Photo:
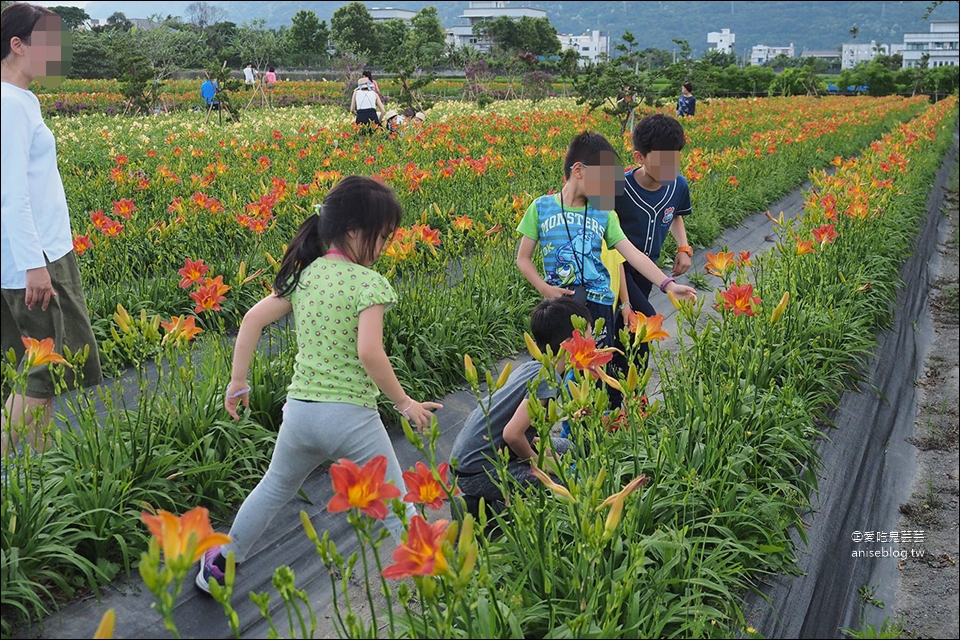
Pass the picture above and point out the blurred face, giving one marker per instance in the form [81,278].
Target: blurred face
[603,182]
[48,55]
[662,166]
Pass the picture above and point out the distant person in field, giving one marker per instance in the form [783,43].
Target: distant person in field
[42,295]
[366,105]
[270,78]
[208,91]
[249,76]
[391,121]
[373,83]
[686,103]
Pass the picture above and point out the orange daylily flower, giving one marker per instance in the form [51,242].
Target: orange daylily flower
[647,329]
[719,263]
[825,234]
[181,329]
[422,552]
[112,228]
[40,352]
[362,488]
[859,209]
[804,246]
[744,259]
[399,249]
[81,244]
[585,356]
[99,219]
[218,283]
[124,207]
[423,486]
[192,272]
[462,223]
[207,298]
[173,533]
[740,299]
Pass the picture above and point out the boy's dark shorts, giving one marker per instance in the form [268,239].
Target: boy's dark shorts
[66,320]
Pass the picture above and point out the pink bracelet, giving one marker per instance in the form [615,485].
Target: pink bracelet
[665,283]
[404,411]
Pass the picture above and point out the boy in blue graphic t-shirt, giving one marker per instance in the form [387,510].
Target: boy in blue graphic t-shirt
[570,228]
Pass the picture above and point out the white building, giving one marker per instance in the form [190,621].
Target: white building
[941,43]
[590,46]
[761,53]
[389,13]
[479,12]
[722,40]
[853,54]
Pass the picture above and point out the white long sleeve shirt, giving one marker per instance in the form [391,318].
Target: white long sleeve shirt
[35,218]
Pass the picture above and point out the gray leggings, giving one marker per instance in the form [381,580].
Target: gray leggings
[313,433]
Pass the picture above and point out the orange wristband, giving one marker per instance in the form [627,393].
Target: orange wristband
[685,249]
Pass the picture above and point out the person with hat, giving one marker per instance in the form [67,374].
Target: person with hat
[419,118]
[366,105]
[391,121]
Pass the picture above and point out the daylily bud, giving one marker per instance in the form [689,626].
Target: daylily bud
[123,319]
[470,371]
[775,316]
[673,300]
[532,347]
[308,527]
[615,502]
[107,622]
[558,489]
[633,378]
[502,379]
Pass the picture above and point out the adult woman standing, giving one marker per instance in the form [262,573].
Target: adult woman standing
[366,104]
[42,296]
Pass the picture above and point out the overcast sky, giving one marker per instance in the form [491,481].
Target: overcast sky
[61,3]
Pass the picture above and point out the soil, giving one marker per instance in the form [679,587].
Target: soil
[927,604]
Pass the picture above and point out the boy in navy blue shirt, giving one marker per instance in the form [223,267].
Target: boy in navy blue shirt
[654,201]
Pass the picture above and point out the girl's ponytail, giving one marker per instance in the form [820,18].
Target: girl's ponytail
[305,247]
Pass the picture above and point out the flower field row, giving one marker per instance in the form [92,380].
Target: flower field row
[151,196]
[103,97]
[713,516]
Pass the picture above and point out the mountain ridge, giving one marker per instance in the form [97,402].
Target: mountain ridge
[807,25]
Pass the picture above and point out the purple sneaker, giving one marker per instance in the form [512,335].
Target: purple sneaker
[209,570]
